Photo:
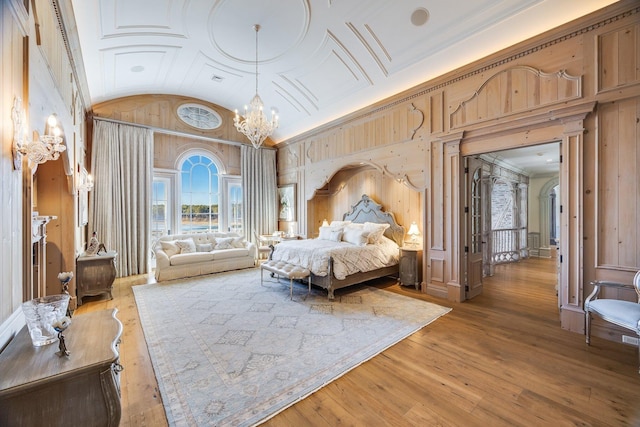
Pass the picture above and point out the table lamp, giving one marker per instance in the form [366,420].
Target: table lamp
[414,233]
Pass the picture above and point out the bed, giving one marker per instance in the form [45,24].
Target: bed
[337,263]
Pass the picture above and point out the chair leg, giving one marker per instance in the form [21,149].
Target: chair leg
[588,326]
[639,353]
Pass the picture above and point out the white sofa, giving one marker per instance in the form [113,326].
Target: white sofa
[187,255]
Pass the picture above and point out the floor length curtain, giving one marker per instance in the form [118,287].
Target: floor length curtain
[260,192]
[122,166]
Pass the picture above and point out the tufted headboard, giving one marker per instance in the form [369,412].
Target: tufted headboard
[366,210]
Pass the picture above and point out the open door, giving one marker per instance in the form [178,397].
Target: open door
[475,239]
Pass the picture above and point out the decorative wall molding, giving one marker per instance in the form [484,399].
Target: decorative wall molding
[514,90]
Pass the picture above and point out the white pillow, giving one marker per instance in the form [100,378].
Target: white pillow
[375,231]
[169,247]
[224,243]
[238,242]
[355,236]
[336,235]
[186,246]
[324,233]
[204,247]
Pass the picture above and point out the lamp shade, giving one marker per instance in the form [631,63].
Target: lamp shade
[325,223]
[413,229]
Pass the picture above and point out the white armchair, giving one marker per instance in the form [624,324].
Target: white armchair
[622,313]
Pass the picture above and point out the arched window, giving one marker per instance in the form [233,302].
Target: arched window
[199,194]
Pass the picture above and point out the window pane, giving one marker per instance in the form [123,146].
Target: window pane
[235,208]
[199,196]
[160,219]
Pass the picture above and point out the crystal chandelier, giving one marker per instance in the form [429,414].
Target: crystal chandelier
[255,125]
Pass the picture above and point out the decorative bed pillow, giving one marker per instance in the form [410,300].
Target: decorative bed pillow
[187,246]
[169,247]
[324,233]
[224,243]
[355,235]
[204,247]
[336,235]
[375,231]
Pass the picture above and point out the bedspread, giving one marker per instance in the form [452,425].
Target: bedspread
[348,259]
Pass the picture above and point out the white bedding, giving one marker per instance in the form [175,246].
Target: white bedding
[347,258]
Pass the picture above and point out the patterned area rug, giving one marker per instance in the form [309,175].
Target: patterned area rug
[227,351]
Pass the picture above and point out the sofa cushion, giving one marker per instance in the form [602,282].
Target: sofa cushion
[191,258]
[230,253]
[187,246]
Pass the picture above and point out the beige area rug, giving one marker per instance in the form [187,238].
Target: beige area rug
[229,352]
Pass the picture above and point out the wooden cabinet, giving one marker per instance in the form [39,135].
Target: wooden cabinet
[96,275]
[40,388]
[410,267]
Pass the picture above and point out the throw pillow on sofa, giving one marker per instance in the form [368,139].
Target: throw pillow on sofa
[169,247]
[238,242]
[224,243]
[187,246]
[204,247]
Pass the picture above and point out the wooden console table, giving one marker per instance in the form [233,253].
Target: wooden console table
[40,388]
[96,274]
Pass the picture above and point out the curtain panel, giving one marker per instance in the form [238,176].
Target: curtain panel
[260,192]
[120,203]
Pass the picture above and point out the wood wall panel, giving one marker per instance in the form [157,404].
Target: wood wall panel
[619,57]
[618,234]
[13,20]
[513,90]
[159,111]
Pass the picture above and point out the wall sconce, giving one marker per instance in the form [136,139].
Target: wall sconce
[414,233]
[86,183]
[46,147]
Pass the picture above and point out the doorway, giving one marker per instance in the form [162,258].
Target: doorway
[511,208]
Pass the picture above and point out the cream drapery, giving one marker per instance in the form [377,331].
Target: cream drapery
[260,192]
[120,203]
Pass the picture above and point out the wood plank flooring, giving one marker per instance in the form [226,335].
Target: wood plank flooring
[500,359]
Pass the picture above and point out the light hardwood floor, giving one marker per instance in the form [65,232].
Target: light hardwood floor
[498,360]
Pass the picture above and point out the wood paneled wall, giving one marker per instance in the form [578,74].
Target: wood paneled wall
[578,84]
[37,66]
[159,113]
[13,29]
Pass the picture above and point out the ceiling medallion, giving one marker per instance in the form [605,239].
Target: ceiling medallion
[199,116]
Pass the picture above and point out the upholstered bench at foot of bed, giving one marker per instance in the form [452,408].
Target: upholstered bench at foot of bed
[284,269]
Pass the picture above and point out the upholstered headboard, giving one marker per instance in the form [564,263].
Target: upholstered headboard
[366,210]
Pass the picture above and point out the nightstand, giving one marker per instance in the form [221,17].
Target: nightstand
[96,274]
[410,266]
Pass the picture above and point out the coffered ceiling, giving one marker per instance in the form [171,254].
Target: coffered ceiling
[318,59]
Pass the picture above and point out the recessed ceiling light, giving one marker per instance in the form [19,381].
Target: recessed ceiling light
[419,17]
[137,69]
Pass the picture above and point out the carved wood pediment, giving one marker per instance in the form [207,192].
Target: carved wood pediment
[515,90]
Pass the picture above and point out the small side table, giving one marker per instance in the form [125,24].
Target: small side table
[96,274]
[410,266]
